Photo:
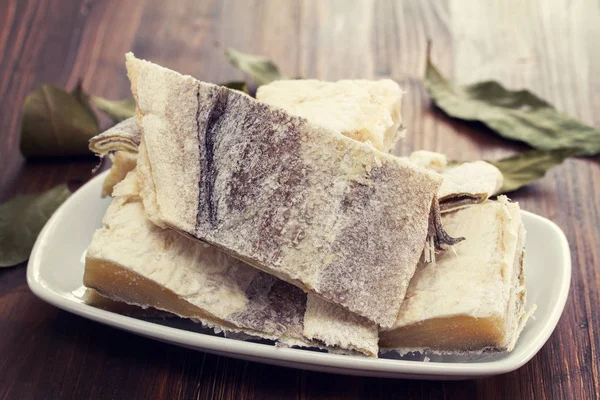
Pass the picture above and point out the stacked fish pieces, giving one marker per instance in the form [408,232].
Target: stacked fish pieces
[265,219]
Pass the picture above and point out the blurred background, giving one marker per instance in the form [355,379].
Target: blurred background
[549,47]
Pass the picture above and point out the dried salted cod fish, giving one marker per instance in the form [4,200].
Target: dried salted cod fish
[131,262]
[364,110]
[464,184]
[124,136]
[473,299]
[121,144]
[319,210]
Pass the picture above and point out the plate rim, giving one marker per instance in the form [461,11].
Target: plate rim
[233,347]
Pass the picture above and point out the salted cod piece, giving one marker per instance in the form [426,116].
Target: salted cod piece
[324,212]
[364,110]
[326,325]
[472,300]
[120,143]
[150,268]
[124,136]
[463,185]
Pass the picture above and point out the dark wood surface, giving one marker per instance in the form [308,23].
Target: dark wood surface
[548,46]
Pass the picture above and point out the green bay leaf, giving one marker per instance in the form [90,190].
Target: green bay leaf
[117,110]
[516,115]
[524,168]
[22,219]
[55,123]
[261,69]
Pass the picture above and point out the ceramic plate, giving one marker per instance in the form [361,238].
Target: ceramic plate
[55,274]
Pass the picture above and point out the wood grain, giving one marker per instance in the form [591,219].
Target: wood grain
[547,46]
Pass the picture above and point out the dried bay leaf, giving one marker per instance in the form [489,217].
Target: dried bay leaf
[22,219]
[84,99]
[261,69]
[236,85]
[516,115]
[56,123]
[526,167]
[117,110]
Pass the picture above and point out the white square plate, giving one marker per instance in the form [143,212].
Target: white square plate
[55,274]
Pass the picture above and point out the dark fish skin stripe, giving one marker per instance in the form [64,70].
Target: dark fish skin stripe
[459,201]
[207,147]
[436,230]
[273,306]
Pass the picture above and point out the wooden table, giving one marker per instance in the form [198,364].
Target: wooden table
[550,47]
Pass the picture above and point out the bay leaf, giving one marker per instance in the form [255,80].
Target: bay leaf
[55,123]
[117,110]
[516,115]
[21,220]
[524,168]
[84,99]
[236,85]
[261,69]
